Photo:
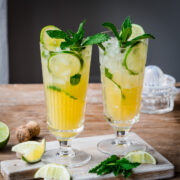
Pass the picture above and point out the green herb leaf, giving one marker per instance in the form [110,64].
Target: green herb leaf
[133,41]
[126,30]
[55,88]
[57,34]
[126,164]
[112,27]
[125,33]
[110,76]
[66,44]
[95,39]
[116,165]
[80,33]
[75,79]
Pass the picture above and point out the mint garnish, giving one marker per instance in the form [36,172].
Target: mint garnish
[110,76]
[123,36]
[115,165]
[76,43]
[125,33]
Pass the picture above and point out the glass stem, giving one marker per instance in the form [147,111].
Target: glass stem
[65,149]
[121,137]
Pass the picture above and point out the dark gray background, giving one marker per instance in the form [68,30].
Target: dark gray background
[26,18]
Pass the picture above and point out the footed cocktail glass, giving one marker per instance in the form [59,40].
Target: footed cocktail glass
[65,78]
[122,73]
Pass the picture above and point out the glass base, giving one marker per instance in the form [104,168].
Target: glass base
[75,159]
[120,148]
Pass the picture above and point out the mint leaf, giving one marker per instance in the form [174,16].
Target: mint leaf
[95,39]
[125,33]
[55,88]
[110,76]
[126,164]
[65,44]
[75,79]
[57,34]
[71,33]
[112,27]
[133,41]
[126,30]
[80,33]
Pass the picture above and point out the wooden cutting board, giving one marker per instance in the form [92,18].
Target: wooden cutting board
[19,170]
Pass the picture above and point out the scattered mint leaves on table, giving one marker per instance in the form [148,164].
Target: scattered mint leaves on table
[115,165]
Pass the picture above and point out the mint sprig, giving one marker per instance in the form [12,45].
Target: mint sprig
[125,33]
[115,165]
[76,41]
[109,75]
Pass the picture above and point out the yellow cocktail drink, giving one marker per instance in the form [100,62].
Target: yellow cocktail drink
[65,100]
[65,59]
[121,88]
[122,63]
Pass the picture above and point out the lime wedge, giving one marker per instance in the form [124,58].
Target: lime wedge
[135,58]
[50,44]
[140,157]
[137,30]
[53,171]
[31,151]
[4,134]
[64,64]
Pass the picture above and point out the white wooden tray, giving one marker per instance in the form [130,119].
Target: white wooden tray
[19,170]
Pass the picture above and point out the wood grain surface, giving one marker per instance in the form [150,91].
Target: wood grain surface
[22,103]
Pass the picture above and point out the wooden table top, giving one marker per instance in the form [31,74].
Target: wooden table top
[22,103]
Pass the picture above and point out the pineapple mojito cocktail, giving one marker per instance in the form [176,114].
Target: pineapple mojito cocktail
[122,64]
[65,59]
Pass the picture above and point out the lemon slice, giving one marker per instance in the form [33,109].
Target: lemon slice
[31,151]
[64,64]
[4,134]
[50,44]
[53,171]
[140,157]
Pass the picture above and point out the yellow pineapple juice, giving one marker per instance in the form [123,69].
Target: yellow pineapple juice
[121,88]
[65,101]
